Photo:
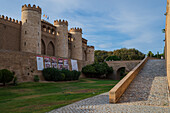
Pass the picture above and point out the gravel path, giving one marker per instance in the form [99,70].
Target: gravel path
[147,93]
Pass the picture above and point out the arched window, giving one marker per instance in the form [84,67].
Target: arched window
[42,47]
[50,49]
[44,28]
[53,31]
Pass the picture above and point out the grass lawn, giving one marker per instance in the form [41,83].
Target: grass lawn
[43,97]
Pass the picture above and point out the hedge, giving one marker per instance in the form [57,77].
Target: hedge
[53,74]
[97,70]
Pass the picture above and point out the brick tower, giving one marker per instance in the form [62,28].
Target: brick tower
[90,53]
[77,52]
[31,29]
[62,38]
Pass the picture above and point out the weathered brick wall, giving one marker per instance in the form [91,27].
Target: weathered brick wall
[10,35]
[25,65]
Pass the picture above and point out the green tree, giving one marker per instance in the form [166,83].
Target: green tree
[119,54]
[100,55]
[128,54]
[6,76]
[150,54]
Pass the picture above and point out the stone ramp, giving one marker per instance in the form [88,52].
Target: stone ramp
[147,93]
[150,87]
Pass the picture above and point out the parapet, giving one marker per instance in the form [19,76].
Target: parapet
[25,7]
[76,30]
[84,40]
[59,22]
[90,47]
[10,19]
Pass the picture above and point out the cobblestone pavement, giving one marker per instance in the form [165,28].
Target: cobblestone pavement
[148,93]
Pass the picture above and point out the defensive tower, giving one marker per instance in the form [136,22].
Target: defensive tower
[76,46]
[31,29]
[62,38]
[90,53]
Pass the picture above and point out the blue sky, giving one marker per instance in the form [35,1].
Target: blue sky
[106,24]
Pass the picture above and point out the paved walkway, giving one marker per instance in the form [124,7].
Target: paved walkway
[148,93]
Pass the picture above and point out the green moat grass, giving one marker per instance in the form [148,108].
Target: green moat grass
[34,97]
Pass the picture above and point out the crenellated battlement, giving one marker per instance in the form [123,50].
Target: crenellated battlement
[76,30]
[90,47]
[29,7]
[59,22]
[9,19]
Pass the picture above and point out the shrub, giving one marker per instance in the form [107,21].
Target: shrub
[76,75]
[71,75]
[110,70]
[53,74]
[6,76]
[68,74]
[15,81]
[61,77]
[36,78]
[56,75]
[100,69]
[47,73]
[96,70]
[89,70]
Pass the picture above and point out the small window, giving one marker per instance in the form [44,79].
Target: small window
[72,39]
[26,20]
[38,33]
[38,23]
[74,46]
[58,33]
[25,32]
[24,43]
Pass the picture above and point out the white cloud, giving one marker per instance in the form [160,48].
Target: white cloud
[105,45]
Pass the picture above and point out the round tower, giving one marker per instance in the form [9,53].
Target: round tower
[77,52]
[31,29]
[90,54]
[62,38]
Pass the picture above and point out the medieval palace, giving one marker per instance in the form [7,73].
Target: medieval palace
[34,35]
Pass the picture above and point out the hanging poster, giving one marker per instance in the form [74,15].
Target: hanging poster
[66,66]
[54,62]
[47,62]
[74,65]
[40,65]
[60,63]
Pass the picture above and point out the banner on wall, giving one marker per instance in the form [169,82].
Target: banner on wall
[66,66]
[40,65]
[47,62]
[74,65]
[60,63]
[54,62]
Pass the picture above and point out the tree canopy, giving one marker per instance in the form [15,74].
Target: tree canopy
[119,54]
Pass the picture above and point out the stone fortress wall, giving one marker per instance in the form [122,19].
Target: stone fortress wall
[34,36]
[24,64]
[38,36]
